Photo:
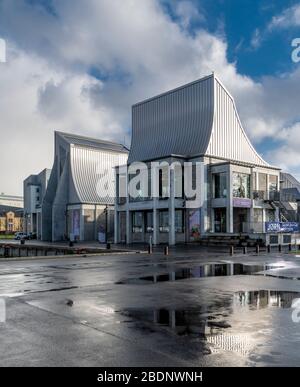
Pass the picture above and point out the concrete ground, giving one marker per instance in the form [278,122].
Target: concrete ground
[196,307]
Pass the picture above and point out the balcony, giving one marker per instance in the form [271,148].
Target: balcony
[273,196]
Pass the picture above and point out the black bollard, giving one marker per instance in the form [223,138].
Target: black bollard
[22,241]
[257,249]
[245,250]
[6,251]
[166,250]
[150,249]
[269,248]
[108,246]
[290,247]
[231,250]
[280,248]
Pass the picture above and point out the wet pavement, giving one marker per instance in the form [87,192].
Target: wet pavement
[192,308]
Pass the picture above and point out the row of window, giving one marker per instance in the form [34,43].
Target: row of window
[241,184]
[144,221]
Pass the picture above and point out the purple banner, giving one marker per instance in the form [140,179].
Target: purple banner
[242,203]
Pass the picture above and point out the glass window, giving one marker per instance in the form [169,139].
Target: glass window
[149,221]
[164,182]
[273,186]
[178,185]
[262,182]
[220,219]
[220,185]
[164,221]
[241,185]
[137,222]
[179,221]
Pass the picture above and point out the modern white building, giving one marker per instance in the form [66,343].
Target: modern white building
[79,201]
[197,123]
[34,188]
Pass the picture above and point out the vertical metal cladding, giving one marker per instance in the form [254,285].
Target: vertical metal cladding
[93,173]
[228,139]
[178,122]
[199,118]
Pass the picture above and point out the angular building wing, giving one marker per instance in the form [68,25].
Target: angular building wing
[81,186]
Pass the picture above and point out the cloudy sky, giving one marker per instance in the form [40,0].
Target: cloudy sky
[79,65]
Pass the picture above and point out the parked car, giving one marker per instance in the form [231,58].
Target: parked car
[20,235]
[31,235]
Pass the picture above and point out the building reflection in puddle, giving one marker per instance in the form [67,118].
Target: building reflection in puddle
[203,271]
[210,326]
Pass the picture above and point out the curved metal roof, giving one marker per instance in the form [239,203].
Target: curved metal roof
[93,173]
[178,122]
[199,118]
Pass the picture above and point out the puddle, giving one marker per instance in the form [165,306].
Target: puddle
[203,271]
[196,320]
[265,299]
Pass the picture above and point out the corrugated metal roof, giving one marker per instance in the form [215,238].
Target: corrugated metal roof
[93,174]
[177,122]
[199,118]
[92,142]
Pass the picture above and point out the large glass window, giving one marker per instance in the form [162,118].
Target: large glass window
[262,182]
[220,220]
[273,185]
[137,222]
[164,221]
[149,221]
[178,181]
[220,185]
[179,221]
[164,182]
[241,185]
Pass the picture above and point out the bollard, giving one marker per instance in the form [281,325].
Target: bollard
[245,250]
[269,248]
[257,249]
[290,247]
[280,248]
[71,244]
[231,251]
[108,246]
[22,241]
[166,250]
[150,250]
[6,251]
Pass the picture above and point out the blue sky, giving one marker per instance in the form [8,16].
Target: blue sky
[79,65]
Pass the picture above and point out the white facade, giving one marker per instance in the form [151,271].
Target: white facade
[80,195]
[236,189]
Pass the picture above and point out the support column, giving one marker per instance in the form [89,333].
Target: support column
[81,224]
[155,226]
[116,225]
[229,209]
[128,227]
[172,235]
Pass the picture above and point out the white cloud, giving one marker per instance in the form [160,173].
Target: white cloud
[290,17]
[138,50]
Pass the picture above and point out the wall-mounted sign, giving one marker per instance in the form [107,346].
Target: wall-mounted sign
[290,227]
[242,203]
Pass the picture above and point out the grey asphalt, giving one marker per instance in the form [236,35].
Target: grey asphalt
[106,311]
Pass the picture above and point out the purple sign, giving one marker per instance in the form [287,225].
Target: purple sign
[242,203]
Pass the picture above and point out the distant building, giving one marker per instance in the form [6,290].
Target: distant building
[11,201]
[11,214]
[11,220]
[80,196]
[34,191]
[237,191]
